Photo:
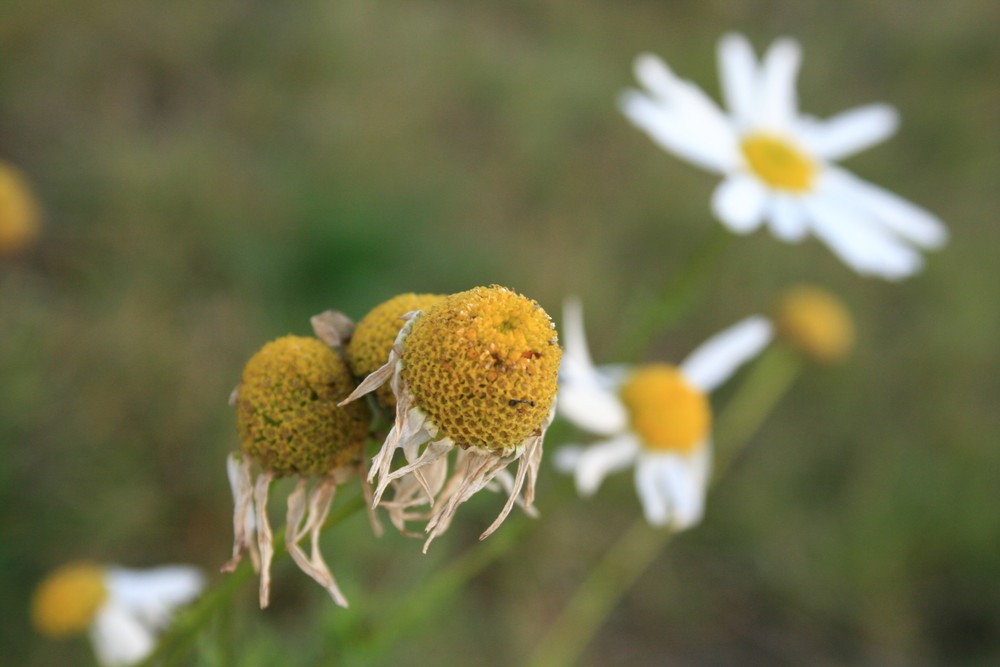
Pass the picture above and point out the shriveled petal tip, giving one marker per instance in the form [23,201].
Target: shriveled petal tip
[851,131]
[739,202]
[715,360]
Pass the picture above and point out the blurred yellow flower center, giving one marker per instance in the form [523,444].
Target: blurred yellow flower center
[372,339]
[816,322]
[778,162]
[66,602]
[482,365]
[667,412]
[286,409]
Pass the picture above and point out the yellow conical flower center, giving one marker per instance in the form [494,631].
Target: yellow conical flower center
[287,413]
[482,365]
[778,162]
[66,602]
[18,211]
[667,412]
[376,332]
[816,322]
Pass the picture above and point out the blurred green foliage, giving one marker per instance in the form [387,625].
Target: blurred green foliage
[213,173]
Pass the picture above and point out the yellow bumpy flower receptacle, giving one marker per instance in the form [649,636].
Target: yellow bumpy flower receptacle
[483,366]
[287,413]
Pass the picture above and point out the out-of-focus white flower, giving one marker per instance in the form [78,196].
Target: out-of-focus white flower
[656,417]
[124,610]
[777,164]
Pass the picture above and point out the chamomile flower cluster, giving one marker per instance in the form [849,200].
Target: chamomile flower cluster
[123,610]
[473,375]
[777,164]
[655,417]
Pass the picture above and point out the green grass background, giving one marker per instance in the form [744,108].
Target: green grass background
[213,173]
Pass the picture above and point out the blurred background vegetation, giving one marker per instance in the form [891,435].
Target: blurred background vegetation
[213,173]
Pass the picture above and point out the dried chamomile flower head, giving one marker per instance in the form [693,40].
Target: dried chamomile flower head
[290,424]
[476,373]
[375,333]
[815,322]
[19,216]
[123,610]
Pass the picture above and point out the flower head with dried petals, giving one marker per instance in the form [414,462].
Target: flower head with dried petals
[475,373]
[655,416]
[124,610]
[777,165]
[290,424]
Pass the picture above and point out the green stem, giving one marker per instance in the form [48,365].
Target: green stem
[629,557]
[175,644]
[674,298]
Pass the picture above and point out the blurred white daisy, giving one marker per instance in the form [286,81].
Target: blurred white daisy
[777,164]
[124,610]
[656,417]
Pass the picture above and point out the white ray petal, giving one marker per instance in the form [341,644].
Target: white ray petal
[685,480]
[738,74]
[584,397]
[154,594]
[850,131]
[596,462]
[680,117]
[787,218]
[715,360]
[655,503]
[739,202]
[904,218]
[777,98]
[857,238]
[119,638]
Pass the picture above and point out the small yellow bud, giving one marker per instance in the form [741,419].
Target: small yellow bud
[18,211]
[374,335]
[287,413]
[66,601]
[815,322]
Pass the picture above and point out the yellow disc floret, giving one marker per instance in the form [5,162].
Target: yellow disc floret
[815,322]
[482,365]
[66,602]
[374,335]
[778,162]
[18,211]
[286,409]
[665,410]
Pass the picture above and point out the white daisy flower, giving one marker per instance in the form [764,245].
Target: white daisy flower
[124,610]
[777,165]
[656,417]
